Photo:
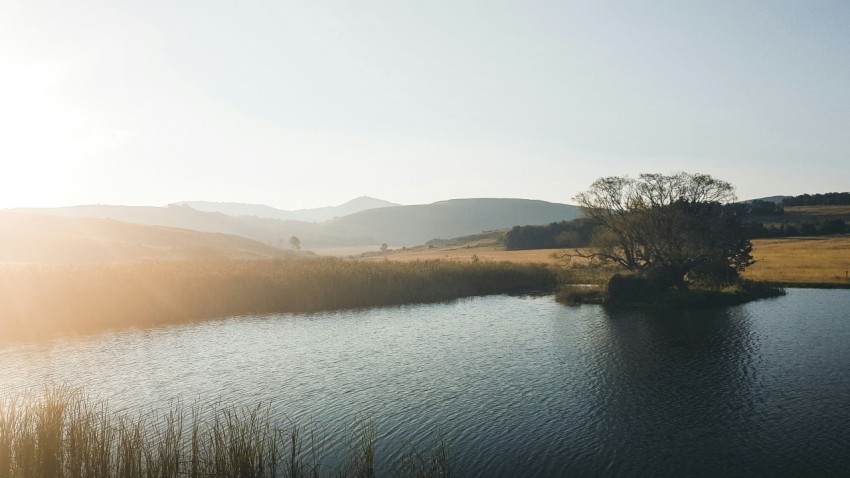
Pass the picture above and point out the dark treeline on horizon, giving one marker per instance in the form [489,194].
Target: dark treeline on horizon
[827,199]
[760,219]
[557,235]
[756,207]
[759,230]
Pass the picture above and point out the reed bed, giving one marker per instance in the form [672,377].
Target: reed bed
[62,434]
[38,301]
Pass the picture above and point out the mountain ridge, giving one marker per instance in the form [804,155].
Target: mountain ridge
[319,214]
[397,225]
[451,218]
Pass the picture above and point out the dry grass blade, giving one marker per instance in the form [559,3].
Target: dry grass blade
[60,433]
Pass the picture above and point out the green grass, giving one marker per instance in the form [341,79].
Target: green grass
[41,301]
[62,434]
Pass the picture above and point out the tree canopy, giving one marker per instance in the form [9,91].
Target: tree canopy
[575,233]
[828,199]
[670,228]
[295,242]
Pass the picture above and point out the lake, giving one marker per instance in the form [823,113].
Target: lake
[519,386]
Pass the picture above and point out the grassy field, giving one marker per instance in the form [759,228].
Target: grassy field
[38,301]
[819,212]
[822,261]
[481,253]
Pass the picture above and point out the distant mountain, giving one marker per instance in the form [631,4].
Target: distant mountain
[413,225]
[237,209]
[362,203]
[397,225]
[773,199]
[321,214]
[73,240]
[269,231]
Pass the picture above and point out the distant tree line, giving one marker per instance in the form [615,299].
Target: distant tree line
[757,230]
[580,232]
[784,226]
[828,199]
[756,207]
[557,235]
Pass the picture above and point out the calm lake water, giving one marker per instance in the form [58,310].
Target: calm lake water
[518,386]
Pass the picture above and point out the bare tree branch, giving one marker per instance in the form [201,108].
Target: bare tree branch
[670,225]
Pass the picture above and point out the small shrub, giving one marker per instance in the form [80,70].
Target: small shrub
[578,294]
[628,288]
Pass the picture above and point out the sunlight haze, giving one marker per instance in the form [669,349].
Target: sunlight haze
[300,104]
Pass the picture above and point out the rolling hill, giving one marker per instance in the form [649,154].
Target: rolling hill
[30,238]
[397,226]
[773,199]
[269,231]
[413,225]
[321,214]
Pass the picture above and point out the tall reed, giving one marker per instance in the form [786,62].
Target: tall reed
[429,464]
[60,433]
[38,301]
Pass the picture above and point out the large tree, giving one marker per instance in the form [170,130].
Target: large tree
[670,228]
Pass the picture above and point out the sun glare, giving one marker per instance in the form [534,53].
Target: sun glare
[36,134]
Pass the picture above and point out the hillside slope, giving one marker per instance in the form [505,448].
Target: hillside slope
[399,225]
[270,231]
[412,225]
[32,238]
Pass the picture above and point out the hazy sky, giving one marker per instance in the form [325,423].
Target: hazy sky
[311,103]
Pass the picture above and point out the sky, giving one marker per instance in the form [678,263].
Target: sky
[300,104]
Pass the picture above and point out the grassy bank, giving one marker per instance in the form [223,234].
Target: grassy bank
[62,434]
[798,262]
[701,297]
[39,301]
[637,293]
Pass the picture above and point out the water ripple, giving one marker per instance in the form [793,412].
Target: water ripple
[517,386]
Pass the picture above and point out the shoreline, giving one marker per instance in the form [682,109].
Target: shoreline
[803,285]
[43,302]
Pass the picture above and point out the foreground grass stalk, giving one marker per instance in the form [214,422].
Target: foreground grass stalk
[362,461]
[418,464]
[61,434]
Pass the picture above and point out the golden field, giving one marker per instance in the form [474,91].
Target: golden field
[41,300]
[823,261]
[819,212]
[802,261]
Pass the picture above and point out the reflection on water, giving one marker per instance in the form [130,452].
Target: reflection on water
[675,384]
[519,386]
